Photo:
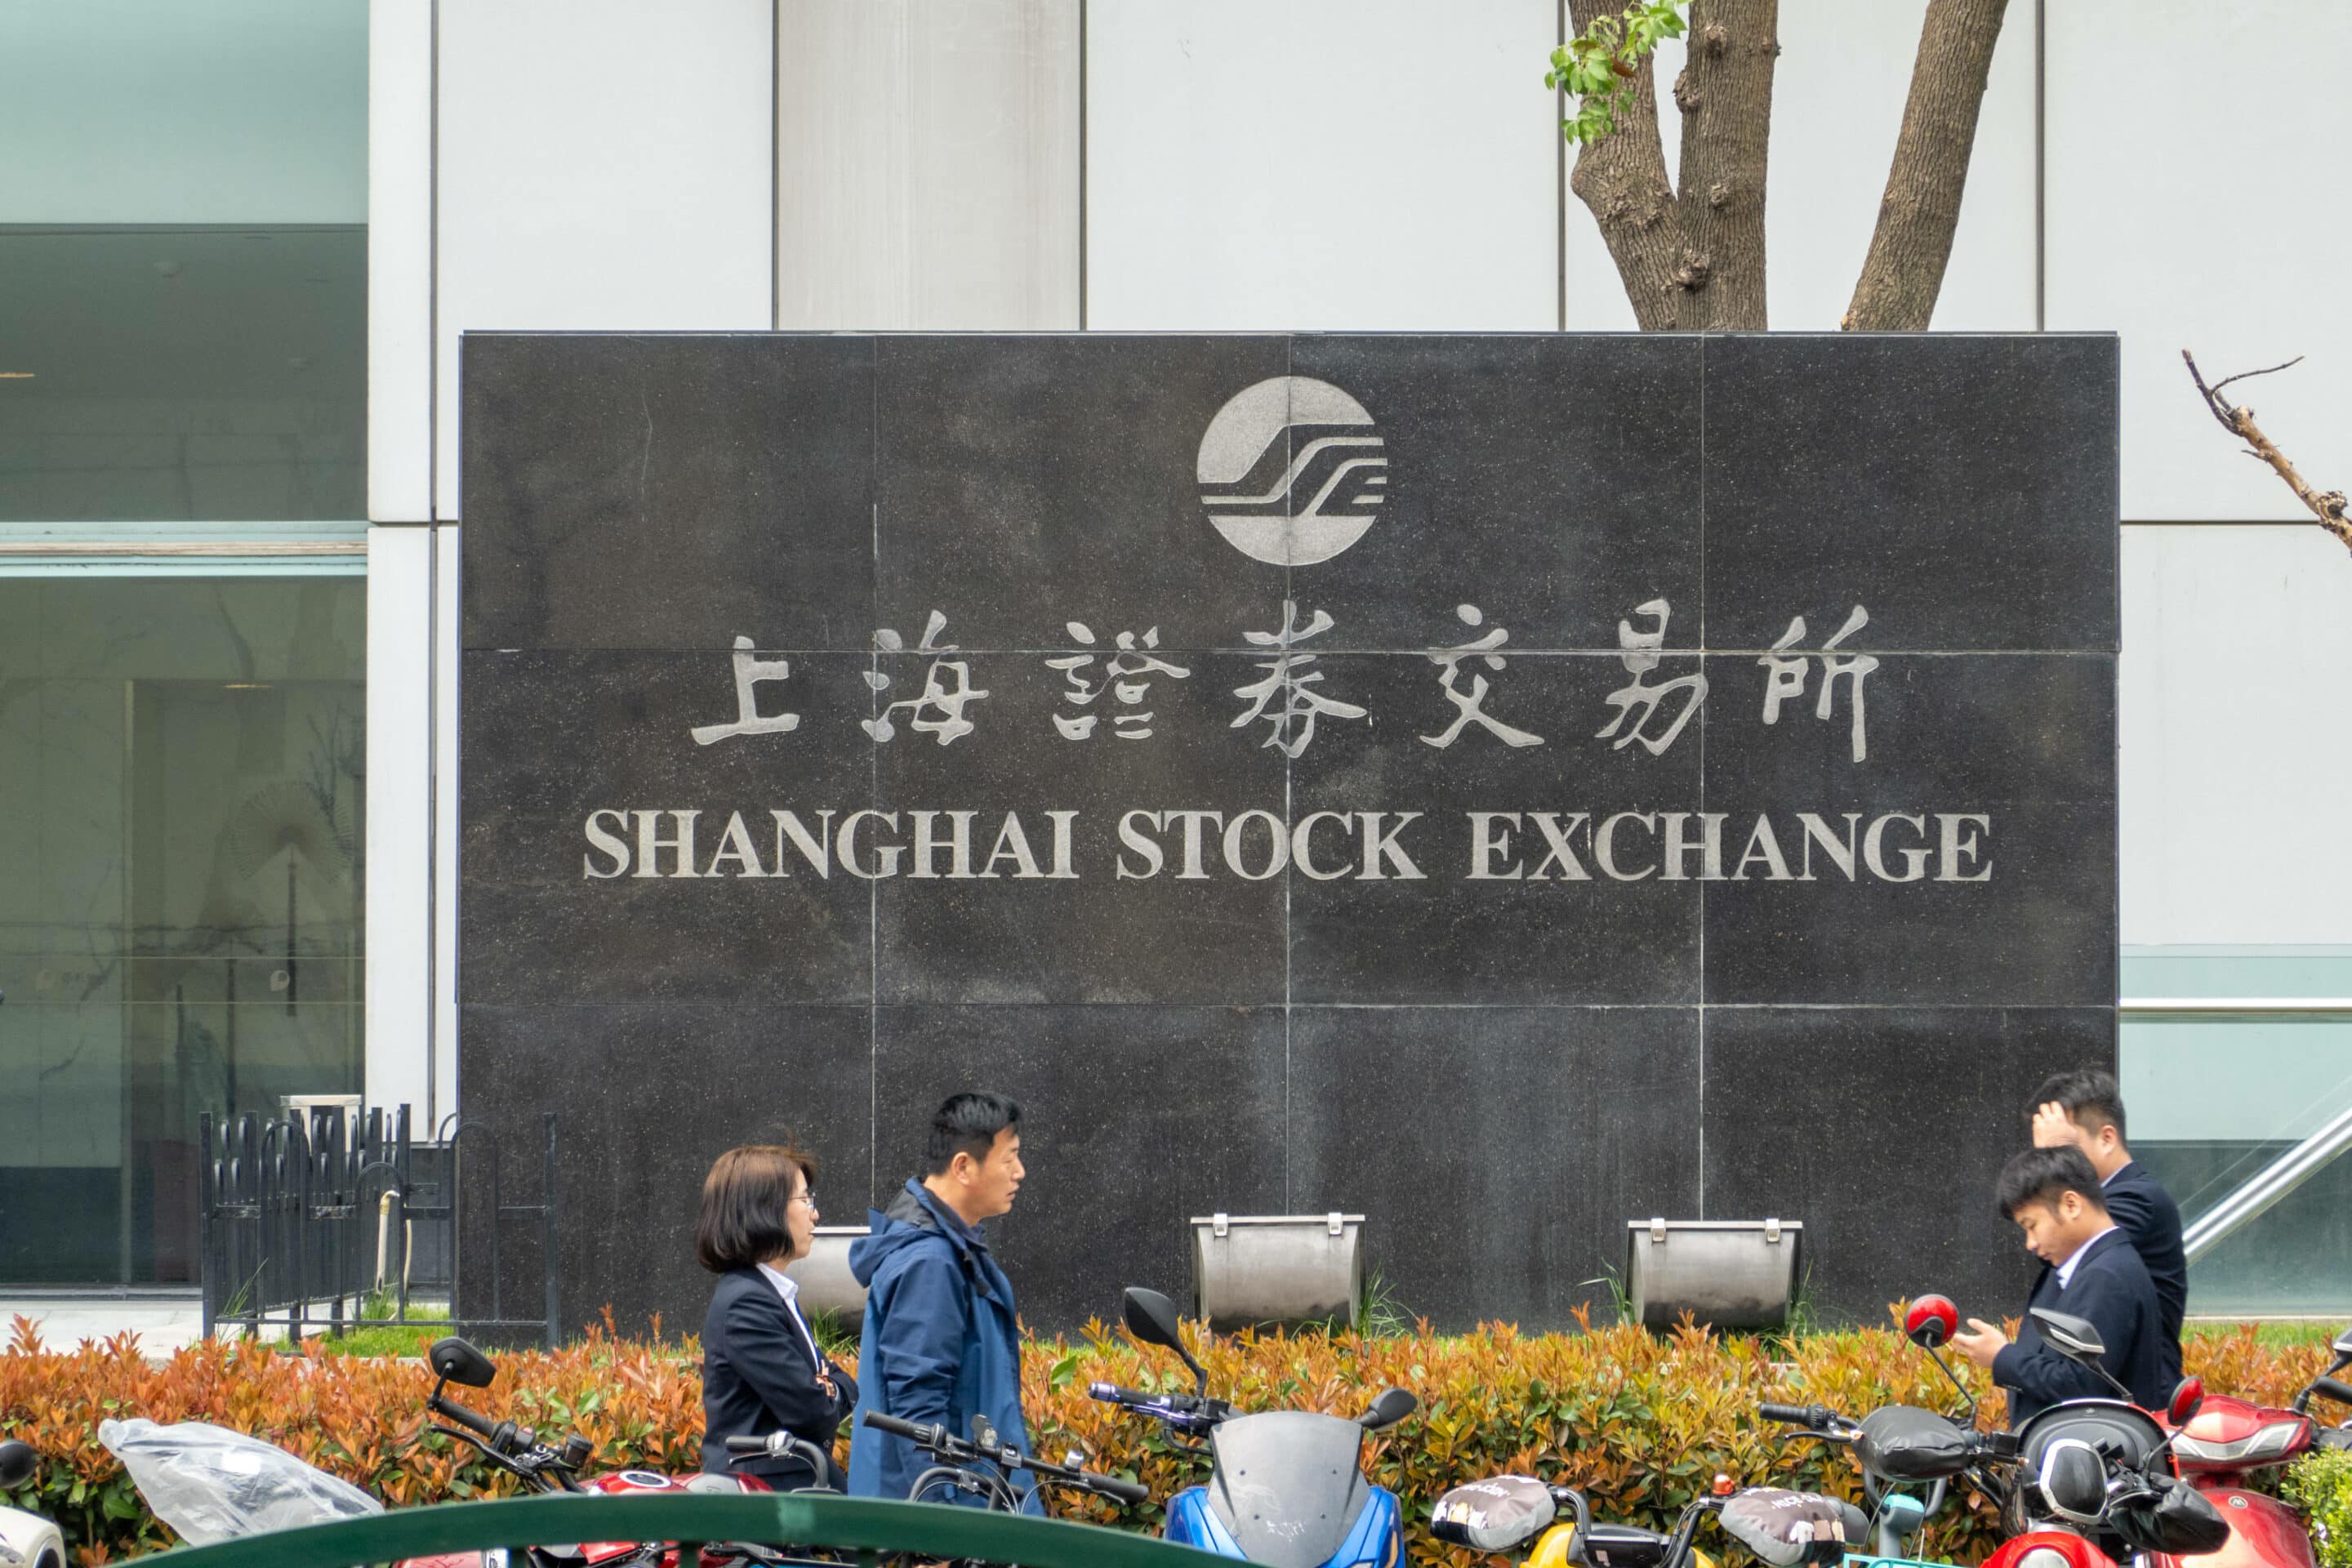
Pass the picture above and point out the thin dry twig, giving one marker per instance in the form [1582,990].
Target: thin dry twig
[2328,506]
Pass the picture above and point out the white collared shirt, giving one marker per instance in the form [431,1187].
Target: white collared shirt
[789,1289]
[2066,1269]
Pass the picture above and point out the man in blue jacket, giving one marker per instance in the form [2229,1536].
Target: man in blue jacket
[2054,1196]
[942,1341]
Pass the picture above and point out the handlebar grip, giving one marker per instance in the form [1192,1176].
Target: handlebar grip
[481,1425]
[1792,1415]
[892,1424]
[1124,1492]
[740,1444]
[2332,1388]
[1112,1394]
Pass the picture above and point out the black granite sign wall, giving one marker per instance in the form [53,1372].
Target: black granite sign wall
[1507,785]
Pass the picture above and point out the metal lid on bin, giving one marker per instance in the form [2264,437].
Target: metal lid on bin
[1218,1224]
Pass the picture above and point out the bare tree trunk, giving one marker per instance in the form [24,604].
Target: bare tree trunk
[1725,95]
[1904,269]
[1622,179]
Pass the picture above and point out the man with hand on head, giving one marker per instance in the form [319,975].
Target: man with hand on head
[2085,1111]
[2054,1196]
[942,1341]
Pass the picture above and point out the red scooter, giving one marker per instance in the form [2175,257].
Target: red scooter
[2218,1439]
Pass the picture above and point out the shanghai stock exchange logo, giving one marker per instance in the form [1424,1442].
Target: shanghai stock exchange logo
[1292,471]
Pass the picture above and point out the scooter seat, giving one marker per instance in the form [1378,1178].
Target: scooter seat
[1624,1546]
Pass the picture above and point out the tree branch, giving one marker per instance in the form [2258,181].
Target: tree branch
[2328,506]
[1912,245]
[1621,178]
[1726,96]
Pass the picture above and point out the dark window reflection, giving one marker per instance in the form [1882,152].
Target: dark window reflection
[182,880]
[182,374]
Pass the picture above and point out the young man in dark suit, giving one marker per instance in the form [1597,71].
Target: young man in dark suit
[2085,1111]
[2054,1196]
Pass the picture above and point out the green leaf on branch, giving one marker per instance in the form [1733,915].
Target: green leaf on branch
[1599,67]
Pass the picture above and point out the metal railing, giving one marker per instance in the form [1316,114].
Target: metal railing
[309,1224]
[862,1530]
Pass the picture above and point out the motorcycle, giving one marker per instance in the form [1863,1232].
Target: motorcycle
[982,1463]
[27,1540]
[1286,1487]
[2218,1439]
[2086,1483]
[556,1468]
[1782,1527]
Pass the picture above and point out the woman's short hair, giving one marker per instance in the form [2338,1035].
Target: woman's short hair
[744,1202]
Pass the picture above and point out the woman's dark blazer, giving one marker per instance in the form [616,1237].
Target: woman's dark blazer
[757,1379]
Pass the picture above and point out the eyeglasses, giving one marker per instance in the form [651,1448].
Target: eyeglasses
[808,1197]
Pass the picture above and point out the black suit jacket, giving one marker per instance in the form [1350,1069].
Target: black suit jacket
[2111,1287]
[758,1379]
[2138,1202]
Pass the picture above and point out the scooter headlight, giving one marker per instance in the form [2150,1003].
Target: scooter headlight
[2266,1442]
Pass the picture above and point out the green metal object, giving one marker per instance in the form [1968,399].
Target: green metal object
[860,1526]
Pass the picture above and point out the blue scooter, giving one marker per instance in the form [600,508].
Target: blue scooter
[1287,1487]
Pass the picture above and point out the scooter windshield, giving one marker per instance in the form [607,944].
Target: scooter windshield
[1288,1485]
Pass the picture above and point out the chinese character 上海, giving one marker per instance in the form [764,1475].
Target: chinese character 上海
[1641,656]
[1300,705]
[1785,675]
[750,671]
[1469,705]
[946,702]
[1118,678]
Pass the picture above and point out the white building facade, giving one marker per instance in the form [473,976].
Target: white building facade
[254,231]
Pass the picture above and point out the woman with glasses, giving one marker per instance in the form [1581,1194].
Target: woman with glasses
[761,1371]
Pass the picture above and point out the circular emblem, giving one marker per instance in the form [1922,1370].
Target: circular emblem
[1292,471]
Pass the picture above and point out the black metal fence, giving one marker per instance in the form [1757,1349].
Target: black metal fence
[322,1221]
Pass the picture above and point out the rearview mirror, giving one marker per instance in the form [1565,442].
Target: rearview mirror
[458,1361]
[2187,1401]
[17,1463]
[1931,1321]
[1393,1406]
[2076,1339]
[2073,1481]
[2343,1345]
[1151,1318]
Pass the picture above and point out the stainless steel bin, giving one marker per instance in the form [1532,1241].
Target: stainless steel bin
[1277,1269]
[1729,1273]
[827,1284]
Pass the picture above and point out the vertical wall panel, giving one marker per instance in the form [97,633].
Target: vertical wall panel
[2184,224]
[399,260]
[2236,735]
[1837,105]
[399,888]
[927,165]
[1315,164]
[603,165]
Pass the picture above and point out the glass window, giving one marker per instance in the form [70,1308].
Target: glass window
[2215,1095]
[183,260]
[181,882]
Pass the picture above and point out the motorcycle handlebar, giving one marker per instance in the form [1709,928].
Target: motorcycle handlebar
[1112,1394]
[495,1432]
[1789,1415]
[898,1428]
[1819,1419]
[2332,1388]
[740,1444]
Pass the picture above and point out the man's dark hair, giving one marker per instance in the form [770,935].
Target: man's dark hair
[744,1200]
[2091,1099]
[966,1124]
[2043,1176]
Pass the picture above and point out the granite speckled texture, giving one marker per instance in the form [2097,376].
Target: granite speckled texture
[1543,928]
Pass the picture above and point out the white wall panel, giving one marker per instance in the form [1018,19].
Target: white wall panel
[927,170]
[399,824]
[443,1059]
[2187,219]
[399,260]
[1321,164]
[605,164]
[1837,105]
[2236,734]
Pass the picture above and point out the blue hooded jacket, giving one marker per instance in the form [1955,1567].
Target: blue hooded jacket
[941,1343]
